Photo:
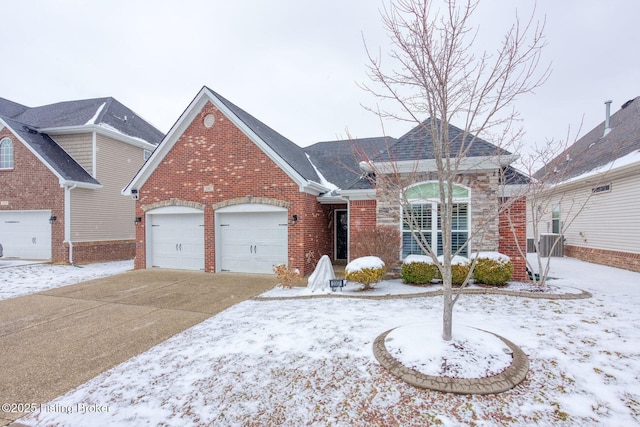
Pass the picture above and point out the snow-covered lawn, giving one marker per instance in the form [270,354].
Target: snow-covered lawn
[18,278]
[310,362]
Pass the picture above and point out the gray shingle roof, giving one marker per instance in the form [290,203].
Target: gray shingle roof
[594,150]
[78,113]
[287,150]
[417,144]
[51,153]
[10,108]
[338,161]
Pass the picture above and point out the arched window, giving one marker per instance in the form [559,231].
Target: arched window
[6,154]
[422,217]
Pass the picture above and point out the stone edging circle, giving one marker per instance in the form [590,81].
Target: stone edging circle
[505,380]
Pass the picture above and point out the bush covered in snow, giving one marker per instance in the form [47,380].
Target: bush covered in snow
[418,270]
[366,271]
[460,267]
[492,268]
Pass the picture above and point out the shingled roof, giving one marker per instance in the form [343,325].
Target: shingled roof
[49,151]
[105,112]
[417,144]
[338,161]
[291,153]
[596,149]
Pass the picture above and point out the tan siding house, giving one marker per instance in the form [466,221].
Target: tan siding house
[598,197]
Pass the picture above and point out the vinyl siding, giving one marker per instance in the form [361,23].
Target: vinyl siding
[104,214]
[608,220]
[78,146]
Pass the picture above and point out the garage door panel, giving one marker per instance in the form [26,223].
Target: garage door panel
[177,241]
[252,242]
[26,234]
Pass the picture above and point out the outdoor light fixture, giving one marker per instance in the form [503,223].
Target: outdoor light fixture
[294,219]
[137,220]
[52,219]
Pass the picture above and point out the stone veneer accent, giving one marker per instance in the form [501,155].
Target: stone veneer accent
[251,200]
[172,202]
[484,205]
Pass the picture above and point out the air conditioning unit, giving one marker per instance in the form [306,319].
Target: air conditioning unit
[551,244]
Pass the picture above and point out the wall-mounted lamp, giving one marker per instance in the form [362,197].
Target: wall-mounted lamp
[52,219]
[137,220]
[294,219]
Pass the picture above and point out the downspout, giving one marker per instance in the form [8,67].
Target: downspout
[67,219]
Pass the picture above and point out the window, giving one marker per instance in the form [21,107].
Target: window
[6,154]
[423,220]
[555,219]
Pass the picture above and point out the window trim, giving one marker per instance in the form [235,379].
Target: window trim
[4,142]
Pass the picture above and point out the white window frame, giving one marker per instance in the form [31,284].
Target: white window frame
[435,230]
[6,142]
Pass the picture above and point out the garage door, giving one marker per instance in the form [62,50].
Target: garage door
[26,234]
[175,239]
[251,242]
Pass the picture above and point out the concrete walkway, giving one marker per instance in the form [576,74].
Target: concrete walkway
[53,341]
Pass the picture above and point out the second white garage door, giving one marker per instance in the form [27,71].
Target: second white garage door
[175,239]
[251,242]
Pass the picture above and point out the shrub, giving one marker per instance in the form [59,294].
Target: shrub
[287,277]
[418,270]
[366,271]
[459,272]
[493,269]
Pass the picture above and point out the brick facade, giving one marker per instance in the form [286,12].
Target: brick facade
[362,215]
[30,185]
[213,165]
[513,235]
[618,259]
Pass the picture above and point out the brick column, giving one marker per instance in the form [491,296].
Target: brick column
[513,233]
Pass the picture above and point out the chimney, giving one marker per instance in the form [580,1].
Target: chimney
[607,125]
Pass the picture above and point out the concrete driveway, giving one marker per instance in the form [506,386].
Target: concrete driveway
[53,341]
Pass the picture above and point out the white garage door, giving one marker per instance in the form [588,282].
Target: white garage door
[26,234]
[175,239]
[251,242]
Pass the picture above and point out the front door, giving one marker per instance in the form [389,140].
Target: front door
[341,233]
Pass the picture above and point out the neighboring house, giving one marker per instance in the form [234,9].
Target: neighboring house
[62,169]
[594,192]
[224,192]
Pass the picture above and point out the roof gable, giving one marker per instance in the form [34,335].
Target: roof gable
[287,155]
[51,154]
[595,149]
[417,144]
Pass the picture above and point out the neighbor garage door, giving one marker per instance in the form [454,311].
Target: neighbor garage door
[26,234]
[175,239]
[251,242]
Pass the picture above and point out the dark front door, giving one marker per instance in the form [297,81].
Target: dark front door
[342,231]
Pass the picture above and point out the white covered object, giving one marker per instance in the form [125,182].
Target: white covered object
[320,277]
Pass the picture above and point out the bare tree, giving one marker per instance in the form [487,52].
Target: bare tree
[435,74]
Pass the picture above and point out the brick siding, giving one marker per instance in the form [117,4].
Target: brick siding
[211,166]
[618,259]
[513,235]
[30,185]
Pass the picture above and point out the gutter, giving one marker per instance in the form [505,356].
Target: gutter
[67,219]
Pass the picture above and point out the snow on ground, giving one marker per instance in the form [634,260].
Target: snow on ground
[21,278]
[310,362]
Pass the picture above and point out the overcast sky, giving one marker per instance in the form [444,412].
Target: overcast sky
[293,64]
